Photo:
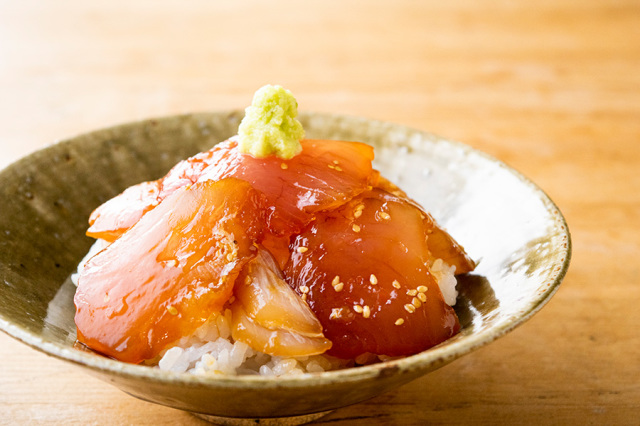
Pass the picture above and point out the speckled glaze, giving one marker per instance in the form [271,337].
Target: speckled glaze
[504,221]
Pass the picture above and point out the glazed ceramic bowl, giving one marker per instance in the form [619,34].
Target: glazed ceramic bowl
[505,222]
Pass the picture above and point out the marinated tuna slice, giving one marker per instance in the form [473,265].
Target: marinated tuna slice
[441,244]
[276,342]
[364,270]
[270,317]
[325,175]
[278,246]
[166,275]
[118,214]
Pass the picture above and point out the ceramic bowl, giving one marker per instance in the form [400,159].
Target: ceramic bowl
[505,222]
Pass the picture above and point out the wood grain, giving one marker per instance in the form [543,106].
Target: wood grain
[550,87]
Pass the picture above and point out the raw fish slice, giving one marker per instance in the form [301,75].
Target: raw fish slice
[278,246]
[274,342]
[269,316]
[364,268]
[325,175]
[114,217]
[165,276]
[269,300]
[441,243]
[443,246]
[120,213]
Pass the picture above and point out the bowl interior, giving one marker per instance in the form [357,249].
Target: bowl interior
[503,220]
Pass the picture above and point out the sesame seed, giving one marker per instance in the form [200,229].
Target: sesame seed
[355,228]
[416,302]
[331,166]
[373,279]
[358,308]
[304,289]
[336,162]
[366,311]
[422,297]
[304,297]
[395,284]
[232,299]
[384,215]
[412,292]
[338,287]
[337,168]
[106,297]
[409,308]
[335,313]
[302,249]
[172,263]
[423,289]
[336,280]
[399,321]
[284,166]
[172,310]
[357,213]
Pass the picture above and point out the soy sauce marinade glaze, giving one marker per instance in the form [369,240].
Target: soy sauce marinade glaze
[300,244]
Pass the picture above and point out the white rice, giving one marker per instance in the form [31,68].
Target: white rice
[211,349]
[445,276]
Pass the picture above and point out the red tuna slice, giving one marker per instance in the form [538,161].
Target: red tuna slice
[325,175]
[441,244]
[175,267]
[120,213]
[364,270]
[114,217]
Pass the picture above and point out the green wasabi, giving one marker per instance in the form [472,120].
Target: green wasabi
[270,126]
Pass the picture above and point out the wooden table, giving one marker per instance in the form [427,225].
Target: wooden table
[550,87]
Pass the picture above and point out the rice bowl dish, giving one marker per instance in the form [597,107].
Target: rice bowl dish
[268,254]
[517,273]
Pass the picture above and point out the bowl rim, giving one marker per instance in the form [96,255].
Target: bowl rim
[427,360]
